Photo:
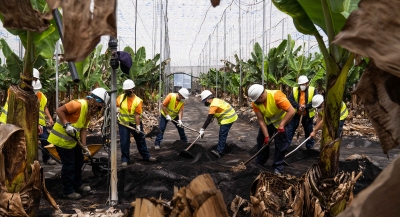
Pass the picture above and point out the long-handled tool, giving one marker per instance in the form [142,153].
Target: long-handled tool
[288,154]
[154,132]
[82,146]
[298,127]
[186,153]
[176,122]
[242,166]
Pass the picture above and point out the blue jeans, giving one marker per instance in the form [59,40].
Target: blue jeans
[341,123]
[223,134]
[124,139]
[71,171]
[44,142]
[163,125]
[281,145]
[307,123]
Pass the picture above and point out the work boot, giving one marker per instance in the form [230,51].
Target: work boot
[83,189]
[50,162]
[215,153]
[73,196]
[124,164]
[151,159]
[278,173]
[157,147]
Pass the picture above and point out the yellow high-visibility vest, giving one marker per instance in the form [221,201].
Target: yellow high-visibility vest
[125,116]
[271,113]
[172,110]
[310,94]
[60,138]
[4,110]
[343,112]
[42,115]
[228,114]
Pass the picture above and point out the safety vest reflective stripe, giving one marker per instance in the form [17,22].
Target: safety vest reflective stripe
[65,137]
[3,111]
[58,121]
[275,119]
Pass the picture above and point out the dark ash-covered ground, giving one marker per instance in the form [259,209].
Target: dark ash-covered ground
[143,179]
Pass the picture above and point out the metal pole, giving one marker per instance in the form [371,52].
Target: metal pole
[263,44]
[57,53]
[135,22]
[216,68]
[209,56]
[270,24]
[224,49]
[71,65]
[240,58]
[159,90]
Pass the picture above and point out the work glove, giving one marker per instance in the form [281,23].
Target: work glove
[266,139]
[85,151]
[180,124]
[138,128]
[168,118]
[281,130]
[69,129]
[40,130]
[201,133]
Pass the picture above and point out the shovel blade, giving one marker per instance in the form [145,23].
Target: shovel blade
[186,154]
[154,132]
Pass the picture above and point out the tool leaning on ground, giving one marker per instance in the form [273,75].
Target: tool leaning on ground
[298,127]
[186,153]
[184,126]
[154,131]
[242,166]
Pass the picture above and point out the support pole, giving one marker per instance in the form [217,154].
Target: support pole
[223,83]
[159,90]
[263,45]
[71,65]
[240,58]
[216,67]
[57,62]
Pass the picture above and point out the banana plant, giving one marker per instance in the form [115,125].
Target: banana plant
[22,104]
[330,16]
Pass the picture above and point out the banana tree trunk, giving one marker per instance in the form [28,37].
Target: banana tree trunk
[23,111]
[330,142]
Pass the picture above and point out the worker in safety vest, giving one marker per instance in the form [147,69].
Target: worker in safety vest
[130,113]
[300,99]
[318,104]
[172,109]
[71,125]
[4,109]
[273,111]
[43,112]
[225,115]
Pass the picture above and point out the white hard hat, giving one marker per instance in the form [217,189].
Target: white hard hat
[35,73]
[128,84]
[184,92]
[302,80]
[205,94]
[102,94]
[36,85]
[317,100]
[255,91]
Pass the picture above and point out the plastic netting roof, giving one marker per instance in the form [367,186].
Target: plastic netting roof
[197,33]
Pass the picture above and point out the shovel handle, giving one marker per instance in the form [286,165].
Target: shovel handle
[262,148]
[187,149]
[176,122]
[132,128]
[81,145]
[298,147]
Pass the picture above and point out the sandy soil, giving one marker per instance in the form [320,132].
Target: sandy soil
[144,180]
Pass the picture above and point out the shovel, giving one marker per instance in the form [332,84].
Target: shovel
[298,127]
[176,122]
[154,132]
[288,154]
[186,153]
[82,146]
